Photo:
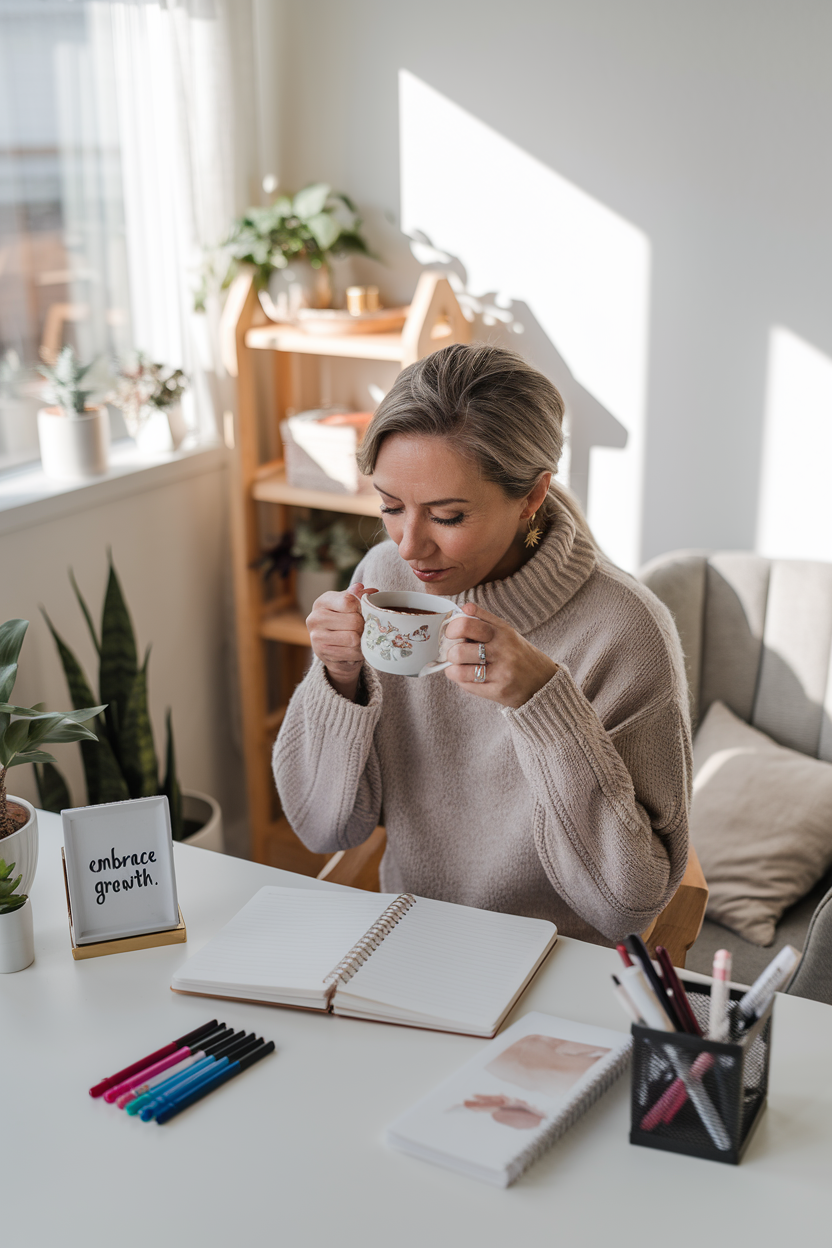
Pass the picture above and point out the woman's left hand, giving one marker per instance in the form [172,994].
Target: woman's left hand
[514,668]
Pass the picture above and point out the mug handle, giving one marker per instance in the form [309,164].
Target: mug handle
[439,665]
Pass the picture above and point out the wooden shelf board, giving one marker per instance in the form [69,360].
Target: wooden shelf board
[351,346]
[287,626]
[276,489]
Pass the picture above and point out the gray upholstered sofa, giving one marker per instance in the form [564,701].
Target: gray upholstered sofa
[757,635]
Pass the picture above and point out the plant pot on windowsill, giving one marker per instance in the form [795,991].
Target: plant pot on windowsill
[74,447]
[202,817]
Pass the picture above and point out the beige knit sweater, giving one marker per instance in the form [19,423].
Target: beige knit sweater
[572,808]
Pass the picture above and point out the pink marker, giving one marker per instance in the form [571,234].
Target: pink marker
[173,1059]
[672,1100]
[718,1016]
[145,1087]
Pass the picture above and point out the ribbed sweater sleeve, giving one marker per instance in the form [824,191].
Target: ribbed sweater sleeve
[610,821]
[325,763]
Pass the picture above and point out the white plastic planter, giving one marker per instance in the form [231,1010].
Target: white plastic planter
[73,448]
[17,940]
[21,847]
[206,810]
[310,585]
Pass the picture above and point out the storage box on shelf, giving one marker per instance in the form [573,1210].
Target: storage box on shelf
[258,483]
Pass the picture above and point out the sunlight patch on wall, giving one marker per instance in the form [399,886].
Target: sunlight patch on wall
[795,510]
[525,233]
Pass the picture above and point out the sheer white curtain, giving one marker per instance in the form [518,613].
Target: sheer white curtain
[184,116]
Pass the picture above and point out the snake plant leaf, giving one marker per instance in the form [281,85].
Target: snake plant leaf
[11,639]
[53,791]
[119,660]
[138,753]
[13,741]
[86,612]
[170,786]
[32,756]
[310,201]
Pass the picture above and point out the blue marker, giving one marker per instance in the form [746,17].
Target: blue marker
[226,1043]
[214,1081]
[191,1079]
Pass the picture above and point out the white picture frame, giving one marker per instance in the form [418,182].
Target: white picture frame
[134,897]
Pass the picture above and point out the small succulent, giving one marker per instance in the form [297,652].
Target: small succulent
[9,899]
[63,378]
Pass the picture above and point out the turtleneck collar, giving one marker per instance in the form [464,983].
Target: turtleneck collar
[539,589]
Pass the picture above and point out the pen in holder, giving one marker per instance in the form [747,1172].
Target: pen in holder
[698,1096]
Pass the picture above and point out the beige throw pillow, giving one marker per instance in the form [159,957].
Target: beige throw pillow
[761,822]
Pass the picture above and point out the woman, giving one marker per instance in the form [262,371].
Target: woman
[546,772]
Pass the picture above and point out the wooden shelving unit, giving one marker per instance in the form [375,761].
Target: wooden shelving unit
[272,640]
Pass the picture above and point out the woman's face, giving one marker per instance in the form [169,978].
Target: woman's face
[453,529]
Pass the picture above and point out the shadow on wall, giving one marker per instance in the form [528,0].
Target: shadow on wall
[510,323]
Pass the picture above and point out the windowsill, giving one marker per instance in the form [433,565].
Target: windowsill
[29,497]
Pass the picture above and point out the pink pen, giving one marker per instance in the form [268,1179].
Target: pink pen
[671,1101]
[145,1087]
[172,1059]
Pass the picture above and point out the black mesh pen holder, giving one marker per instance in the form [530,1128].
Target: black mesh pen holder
[696,1096]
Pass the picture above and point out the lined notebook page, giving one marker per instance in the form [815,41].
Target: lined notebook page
[284,939]
[450,963]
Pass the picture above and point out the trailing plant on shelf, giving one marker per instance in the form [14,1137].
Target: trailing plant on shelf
[314,225]
[143,387]
[125,764]
[64,379]
[25,729]
[9,899]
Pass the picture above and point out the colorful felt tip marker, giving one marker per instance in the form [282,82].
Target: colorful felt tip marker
[157,1098]
[142,1076]
[112,1080]
[203,1089]
[216,1042]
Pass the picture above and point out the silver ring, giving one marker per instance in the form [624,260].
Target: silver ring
[482,652]
[479,673]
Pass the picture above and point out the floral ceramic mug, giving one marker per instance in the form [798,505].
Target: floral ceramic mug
[404,632]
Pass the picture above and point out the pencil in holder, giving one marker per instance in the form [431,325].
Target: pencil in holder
[697,1096]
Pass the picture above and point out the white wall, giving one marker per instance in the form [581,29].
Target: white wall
[702,128]
[170,548]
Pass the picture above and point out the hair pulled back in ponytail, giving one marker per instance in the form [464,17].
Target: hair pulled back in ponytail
[493,407]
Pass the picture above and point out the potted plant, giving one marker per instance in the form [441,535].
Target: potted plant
[323,553]
[23,731]
[124,765]
[149,395]
[74,435]
[296,239]
[17,938]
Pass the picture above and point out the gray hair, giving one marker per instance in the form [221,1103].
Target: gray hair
[494,408]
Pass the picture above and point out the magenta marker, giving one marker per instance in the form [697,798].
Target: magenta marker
[173,1059]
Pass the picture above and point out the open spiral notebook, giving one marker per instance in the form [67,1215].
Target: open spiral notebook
[396,959]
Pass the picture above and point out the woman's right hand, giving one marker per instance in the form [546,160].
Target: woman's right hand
[335,627]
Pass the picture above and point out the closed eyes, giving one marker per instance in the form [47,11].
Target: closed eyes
[397,511]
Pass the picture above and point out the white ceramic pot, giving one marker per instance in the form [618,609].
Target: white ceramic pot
[21,847]
[17,940]
[310,585]
[298,286]
[73,448]
[205,810]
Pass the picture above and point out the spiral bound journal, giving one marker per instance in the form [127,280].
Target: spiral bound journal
[395,959]
[514,1099]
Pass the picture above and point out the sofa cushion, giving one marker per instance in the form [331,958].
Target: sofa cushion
[761,821]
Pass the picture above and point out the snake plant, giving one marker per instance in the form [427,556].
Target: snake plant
[124,764]
[24,729]
[9,899]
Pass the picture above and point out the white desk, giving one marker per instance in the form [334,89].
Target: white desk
[292,1152]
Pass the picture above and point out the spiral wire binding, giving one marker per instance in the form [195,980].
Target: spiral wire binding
[569,1114]
[372,938]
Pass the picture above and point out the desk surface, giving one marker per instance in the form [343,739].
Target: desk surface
[293,1152]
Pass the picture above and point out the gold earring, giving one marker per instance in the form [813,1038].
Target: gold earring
[533,535]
